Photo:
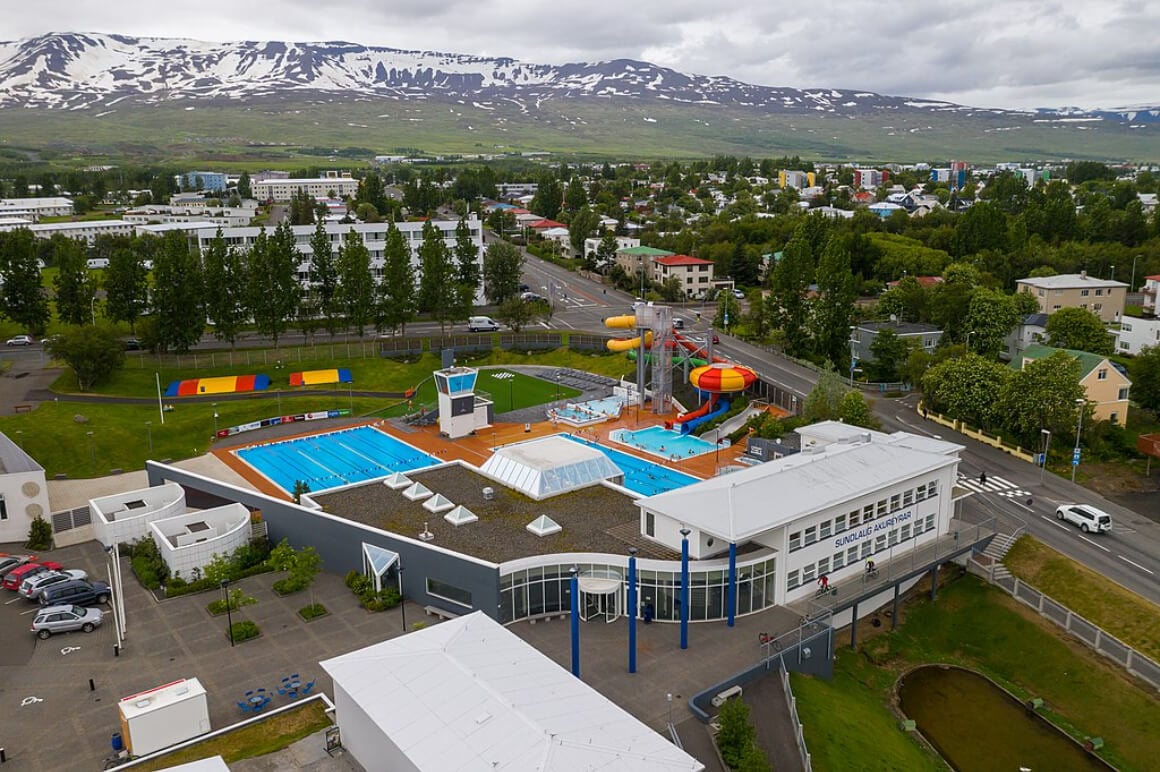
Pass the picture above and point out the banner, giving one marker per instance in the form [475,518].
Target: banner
[282,419]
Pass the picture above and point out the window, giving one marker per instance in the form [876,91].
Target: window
[839,560]
[1097,306]
[1114,418]
[448,592]
[840,523]
[824,529]
[795,541]
[881,507]
[880,542]
[852,555]
[932,488]
[1099,293]
[893,537]
[867,549]
[855,518]
[3,508]
[920,493]
[895,501]
[823,566]
[1126,327]
[906,532]
[908,497]
[1102,375]
[792,580]
[930,522]
[808,573]
[650,524]
[1123,393]
[811,534]
[1084,293]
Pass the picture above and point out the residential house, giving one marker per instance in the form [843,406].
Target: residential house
[1029,332]
[283,190]
[560,236]
[694,273]
[1137,333]
[636,260]
[870,179]
[622,242]
[1103,297]
[864,335]
[1148,201]
[23,492]
[884,209]
[214,182]
[1105,387]
[1149,290]
[35,208]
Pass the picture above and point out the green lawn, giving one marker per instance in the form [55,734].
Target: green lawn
[981,628]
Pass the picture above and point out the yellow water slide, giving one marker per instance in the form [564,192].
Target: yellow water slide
[626,322]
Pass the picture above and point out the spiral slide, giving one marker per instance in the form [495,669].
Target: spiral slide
[718,405]
[626,322]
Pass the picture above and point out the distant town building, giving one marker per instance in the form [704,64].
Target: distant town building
[795,179]
[212,182]
[1103,297]
[85,230]
[35,208]
[1136,334]
[870,179]
[866,334]
[1150,289]
[285,189]
[694,274]
[634,260]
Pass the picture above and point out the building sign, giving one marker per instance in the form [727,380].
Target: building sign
[877,526]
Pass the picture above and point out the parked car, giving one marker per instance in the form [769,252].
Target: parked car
[20,340]
[9,562]
[76,592]
[30,588]
[716,339]
[64,619]
[132,344]
[678,324]
[739,294]
[1088,518]
[17,575]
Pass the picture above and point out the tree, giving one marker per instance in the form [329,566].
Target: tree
[965,388]
[244,189]
[606,252]
[75,287]
[396,291]
[549,197]
[582,225]
[824,402]
[889,352]
[324,277]
[226,305]
[1145,371]
[24,299]
[983,226]
[1042,395]
[178,294]
[575,197]
[736,734]
[126,286]
[833,309]
[272,269]
[467,272]
[94,353]
[517,314]
[1080,329]
[357,292]
[437,292]
[728,311]
[991,316]
[787,301]
[856,411]
[503,267]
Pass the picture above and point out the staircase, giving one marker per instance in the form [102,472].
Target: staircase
[997,550]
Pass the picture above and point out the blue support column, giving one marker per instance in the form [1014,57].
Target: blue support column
[732,588]
[575,621]
[632,609]
[685,587]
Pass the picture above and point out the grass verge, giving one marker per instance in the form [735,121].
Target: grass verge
[258,739]
[981,628]
[1121,612]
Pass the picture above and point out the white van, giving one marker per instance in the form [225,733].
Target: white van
[482,324]
[98,262]
[1089,519]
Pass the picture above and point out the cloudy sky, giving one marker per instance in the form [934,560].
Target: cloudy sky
[992,53]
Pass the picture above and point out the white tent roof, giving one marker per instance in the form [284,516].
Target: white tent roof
[397,481]
[549,466]
[544,526]
[438,503]
[741,505]
[417,492]
[469,695]
[461,515]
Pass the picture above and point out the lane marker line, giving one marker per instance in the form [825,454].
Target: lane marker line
[1089,541]
[1137,565]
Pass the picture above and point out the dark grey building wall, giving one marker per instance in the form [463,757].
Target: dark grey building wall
[339,542]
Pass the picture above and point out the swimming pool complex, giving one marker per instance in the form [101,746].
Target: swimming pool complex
[643,477]
[587,413]
[337,458]
[662,442]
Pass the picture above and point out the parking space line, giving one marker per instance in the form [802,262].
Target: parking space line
[1137,565]
[1089,541]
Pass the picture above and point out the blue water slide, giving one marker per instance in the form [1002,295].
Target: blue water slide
[720,408]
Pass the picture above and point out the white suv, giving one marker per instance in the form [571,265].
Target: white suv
[1087,518]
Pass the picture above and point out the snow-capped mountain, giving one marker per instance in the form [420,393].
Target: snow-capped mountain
[85,70]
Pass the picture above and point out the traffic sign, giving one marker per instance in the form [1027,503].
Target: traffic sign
[1075,457]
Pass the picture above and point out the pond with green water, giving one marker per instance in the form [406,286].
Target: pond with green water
[975,725]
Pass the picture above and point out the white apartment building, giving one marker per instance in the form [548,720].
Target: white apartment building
[35,208]
[622,242]
[284,190]
[374,236]
[1136,333]
[695,274]
[88,230]
[227,217]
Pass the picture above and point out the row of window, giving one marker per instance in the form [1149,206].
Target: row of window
[852,555]
[883,507]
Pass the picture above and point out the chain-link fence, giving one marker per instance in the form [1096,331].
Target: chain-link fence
[282,357]
[1095,637]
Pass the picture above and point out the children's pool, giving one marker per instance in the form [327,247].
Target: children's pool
[336,458]
[662,442]
[641,476]
[586,413]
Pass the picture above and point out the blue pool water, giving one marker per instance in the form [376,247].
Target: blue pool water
[590,412]
[644,477]
[663,442]
[328,460]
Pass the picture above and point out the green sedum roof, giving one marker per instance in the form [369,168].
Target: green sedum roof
[1087,360]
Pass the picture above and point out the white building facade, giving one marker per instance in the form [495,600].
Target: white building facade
[23,492]
[1136,333]
[51,206]
[284,190]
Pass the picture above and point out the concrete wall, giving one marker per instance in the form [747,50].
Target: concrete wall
[230,529]
[25,497]
[339,542]
[364,738]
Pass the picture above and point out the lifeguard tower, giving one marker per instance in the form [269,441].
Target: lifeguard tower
[461,410]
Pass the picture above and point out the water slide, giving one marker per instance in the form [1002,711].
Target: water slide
[626,322]
[677,359]
[721,406]
[733,424]
[704,408]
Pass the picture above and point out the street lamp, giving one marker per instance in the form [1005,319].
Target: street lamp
[215,418]
[1046,434]
[402,600]
[1080,403]
[969,334]
[93,308]
[92,452]
[229,613]
[853,360]
[149,432]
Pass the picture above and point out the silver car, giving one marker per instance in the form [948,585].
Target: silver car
[30,588]
[63,619]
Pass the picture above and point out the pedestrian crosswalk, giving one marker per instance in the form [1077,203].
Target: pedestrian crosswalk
[996,485]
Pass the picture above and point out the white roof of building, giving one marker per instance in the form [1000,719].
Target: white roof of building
[467,694]
[192,225]
[739,506]
[1070,281]
[210,764]
[549,466]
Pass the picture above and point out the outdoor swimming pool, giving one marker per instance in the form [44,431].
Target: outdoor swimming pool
[662,442]
[587,413]
[643,477]
[328,460]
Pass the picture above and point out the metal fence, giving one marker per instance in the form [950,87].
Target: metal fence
[283,357]
[791,701]
[1095,637]
[531,341]
[68,519]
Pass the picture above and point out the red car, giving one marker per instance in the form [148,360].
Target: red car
[17,575]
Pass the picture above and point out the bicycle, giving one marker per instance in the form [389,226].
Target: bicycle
[827,590]
[870,575]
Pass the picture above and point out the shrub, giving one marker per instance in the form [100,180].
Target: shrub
[244,630]
[39,534]
[313,611]
[147,564]
[352,577]
[737,733]
[145,573]
[288,585]
[236,599]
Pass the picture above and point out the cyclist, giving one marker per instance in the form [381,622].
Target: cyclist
[824,582]
[870,569]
